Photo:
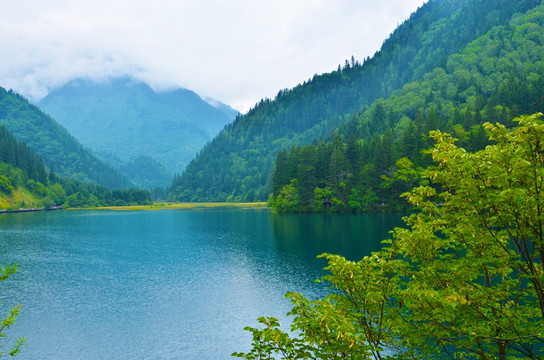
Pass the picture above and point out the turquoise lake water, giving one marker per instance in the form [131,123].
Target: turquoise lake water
[172,284]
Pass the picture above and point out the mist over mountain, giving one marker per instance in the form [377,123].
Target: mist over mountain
[122,119]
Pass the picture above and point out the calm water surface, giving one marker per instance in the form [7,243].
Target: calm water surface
[165,284]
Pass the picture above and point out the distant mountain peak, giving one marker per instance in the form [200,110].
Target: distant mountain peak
[127,118]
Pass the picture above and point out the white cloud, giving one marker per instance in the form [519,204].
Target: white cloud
[237,51]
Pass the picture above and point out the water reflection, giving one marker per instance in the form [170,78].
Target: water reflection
[351,235]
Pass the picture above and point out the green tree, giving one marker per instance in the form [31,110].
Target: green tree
[353,155]
[306,175]
[338,168]
[404,178]
[281,175]
[464,281]
[5,273]
[288,200]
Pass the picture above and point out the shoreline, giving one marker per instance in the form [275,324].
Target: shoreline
[22,210]
[180,206]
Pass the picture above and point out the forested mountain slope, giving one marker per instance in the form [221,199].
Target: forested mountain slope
[23,177]
[374,157]
[237,164]
[59,149]
[25,183]
[127,119]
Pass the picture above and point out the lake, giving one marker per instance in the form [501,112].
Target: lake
[172,284]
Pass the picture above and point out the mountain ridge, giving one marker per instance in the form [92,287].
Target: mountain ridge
[375,156]
[60,151]
[236,165]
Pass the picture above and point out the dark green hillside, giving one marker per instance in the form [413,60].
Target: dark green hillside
[58,148]
[128,119]
[375,156]
[23,178]
[19,155]
[25,183]
[237,164]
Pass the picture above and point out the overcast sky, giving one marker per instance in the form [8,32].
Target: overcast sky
[236,51]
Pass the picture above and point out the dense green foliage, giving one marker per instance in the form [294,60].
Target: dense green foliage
[495,78]
[464,281]
[237,164]
[22,169]
[128,119]
[18,191]
[82,194]
[338,177]
[55,145]
[25,182]
[21,156]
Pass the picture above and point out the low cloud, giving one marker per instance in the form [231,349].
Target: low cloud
[236,51]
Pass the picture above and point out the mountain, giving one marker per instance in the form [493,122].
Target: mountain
[60,151]
[127,119]
[373,157]
[237,165]
[25,183]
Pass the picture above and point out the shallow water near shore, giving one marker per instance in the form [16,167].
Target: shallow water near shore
[170,284]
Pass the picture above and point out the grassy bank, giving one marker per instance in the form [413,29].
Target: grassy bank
[19,198]
[166,206]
